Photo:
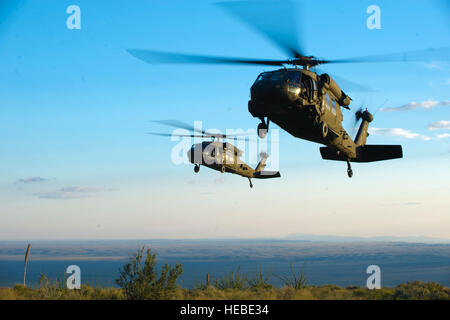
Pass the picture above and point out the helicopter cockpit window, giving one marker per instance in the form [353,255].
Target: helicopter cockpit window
[264,76]
[293,77]
[277,76]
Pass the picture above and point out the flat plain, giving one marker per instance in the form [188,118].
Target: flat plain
[338,263]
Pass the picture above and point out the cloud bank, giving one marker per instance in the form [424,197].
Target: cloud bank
[66,193]
[443,124]
[416,105]
[31,180]
[398,132]
[443,136]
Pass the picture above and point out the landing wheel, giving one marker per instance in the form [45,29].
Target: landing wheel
[196,168]
[223,169]
[350,173]
[262,130]
[349,170]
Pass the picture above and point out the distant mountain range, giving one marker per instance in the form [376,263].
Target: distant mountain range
[332,238]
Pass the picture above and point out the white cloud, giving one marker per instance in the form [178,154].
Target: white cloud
[437,65]
[31,180]
[443,136]
[443,124]
[397,132]
[70,193]
[409,203]
[415,105]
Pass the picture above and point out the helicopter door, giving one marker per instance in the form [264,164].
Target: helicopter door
[308,84]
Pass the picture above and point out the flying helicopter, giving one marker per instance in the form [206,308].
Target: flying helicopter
[218,154]
[302,100]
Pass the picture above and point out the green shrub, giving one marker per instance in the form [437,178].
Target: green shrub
[418,290]
[234,280]
[260,280]
[295,281]
[139,281]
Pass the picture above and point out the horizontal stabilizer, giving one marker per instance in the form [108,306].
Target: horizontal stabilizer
[266,174]
[366,153]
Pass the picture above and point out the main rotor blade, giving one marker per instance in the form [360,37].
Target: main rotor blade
[347,85]
[277,20]
[159,57]
[179,124]
[176,135]
[197,136]
[182,125]
[432,54]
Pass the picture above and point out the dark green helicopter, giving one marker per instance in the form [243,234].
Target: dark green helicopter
[219,155]
[302,100]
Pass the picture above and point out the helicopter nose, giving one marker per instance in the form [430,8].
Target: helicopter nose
[190,155]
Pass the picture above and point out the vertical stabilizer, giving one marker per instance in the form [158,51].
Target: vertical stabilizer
[262,163]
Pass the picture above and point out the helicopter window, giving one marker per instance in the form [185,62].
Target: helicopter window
[277,76]
[333,107]
[307,83]
[293,77]
[264,76]
[229,157]
[328,102]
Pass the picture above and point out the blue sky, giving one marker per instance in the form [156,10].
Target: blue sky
[75,107]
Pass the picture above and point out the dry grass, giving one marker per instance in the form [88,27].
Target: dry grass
[413,290]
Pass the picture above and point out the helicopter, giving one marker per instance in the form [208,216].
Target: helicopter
[220,155]
[301,100]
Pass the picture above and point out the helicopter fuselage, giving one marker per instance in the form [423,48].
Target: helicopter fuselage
[220,156]
[306,105]
[225,157]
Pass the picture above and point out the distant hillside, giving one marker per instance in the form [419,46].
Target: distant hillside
[332,238]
